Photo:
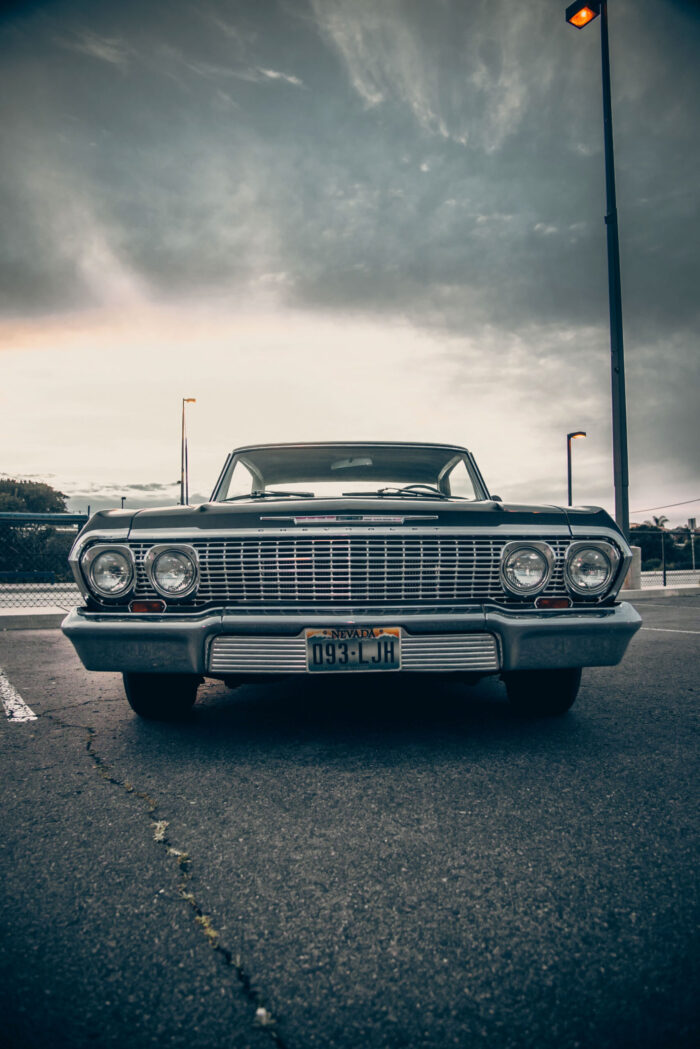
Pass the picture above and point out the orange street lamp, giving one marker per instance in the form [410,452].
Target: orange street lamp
[184,470]
[579,14]
[569,438]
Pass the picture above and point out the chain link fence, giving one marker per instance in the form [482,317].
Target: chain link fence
[34,572]
[670,557]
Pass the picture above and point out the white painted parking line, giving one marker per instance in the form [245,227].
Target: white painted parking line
[15,707]
[668,630]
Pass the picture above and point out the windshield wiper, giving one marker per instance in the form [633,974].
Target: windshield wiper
[416,491]
[267,494]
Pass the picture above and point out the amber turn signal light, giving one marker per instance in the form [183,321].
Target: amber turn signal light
[553,602]
[147,606]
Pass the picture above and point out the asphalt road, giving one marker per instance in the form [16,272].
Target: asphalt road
[307,865]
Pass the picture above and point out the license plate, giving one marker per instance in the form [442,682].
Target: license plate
[353,648]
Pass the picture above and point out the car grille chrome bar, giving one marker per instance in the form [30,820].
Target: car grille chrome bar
[287,655]
[356,569]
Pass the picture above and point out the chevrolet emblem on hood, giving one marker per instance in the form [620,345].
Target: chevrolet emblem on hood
[341,519]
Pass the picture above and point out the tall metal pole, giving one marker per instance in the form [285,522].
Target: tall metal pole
[182,457]
[619,407]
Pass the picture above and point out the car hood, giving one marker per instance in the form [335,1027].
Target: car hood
[348,513]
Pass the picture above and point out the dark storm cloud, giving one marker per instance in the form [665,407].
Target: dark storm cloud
[439,161]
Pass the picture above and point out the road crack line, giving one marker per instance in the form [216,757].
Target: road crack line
[263,1017]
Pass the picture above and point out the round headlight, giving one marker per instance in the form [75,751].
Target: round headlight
[173,571]
[110,572]
[589,569]
[526,567]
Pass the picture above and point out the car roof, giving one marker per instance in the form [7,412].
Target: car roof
[354,444]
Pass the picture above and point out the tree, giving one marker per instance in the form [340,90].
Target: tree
[29,550]
[30,496]
[649,537]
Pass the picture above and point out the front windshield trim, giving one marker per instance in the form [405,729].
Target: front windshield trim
[394,464]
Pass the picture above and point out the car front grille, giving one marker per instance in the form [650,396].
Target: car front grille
[287,655]
[348,570]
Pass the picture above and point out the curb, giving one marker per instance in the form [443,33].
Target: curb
[660,591]
[31,620]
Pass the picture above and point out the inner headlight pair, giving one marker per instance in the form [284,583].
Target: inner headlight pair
[173,570]
[110,570]
[526,567]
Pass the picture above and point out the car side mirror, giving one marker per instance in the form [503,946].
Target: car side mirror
[496,499]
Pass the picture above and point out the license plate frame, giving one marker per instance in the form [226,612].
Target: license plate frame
[352,650]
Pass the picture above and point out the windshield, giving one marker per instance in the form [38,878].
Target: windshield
[331,470]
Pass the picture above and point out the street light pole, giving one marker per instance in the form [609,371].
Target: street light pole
[569,439]
[184,478]
[619,405]
[579,14]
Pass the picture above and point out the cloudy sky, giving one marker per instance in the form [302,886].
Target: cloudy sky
[344,219]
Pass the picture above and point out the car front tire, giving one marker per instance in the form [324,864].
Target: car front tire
[161,697]
[542,693]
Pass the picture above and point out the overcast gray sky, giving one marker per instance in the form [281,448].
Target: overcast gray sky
[340,219]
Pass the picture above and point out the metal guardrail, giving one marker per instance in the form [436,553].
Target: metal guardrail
[20,517]
[34,572]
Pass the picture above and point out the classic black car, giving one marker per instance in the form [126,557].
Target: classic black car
[347,558]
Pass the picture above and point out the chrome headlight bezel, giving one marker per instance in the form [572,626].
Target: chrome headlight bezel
[87,565]
[613,558]
[182,550]
[517,546]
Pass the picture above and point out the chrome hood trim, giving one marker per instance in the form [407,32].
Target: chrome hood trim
[341,519]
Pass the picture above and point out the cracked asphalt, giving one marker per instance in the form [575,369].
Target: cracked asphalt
[313,864]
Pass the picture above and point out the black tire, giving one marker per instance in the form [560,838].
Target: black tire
[542,693]
[161,697]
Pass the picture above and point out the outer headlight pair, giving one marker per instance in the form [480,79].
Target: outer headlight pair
[110,571]
[590,567]
[526,567]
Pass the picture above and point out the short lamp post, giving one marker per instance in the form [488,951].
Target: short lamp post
[184,467]
[691,528]
[569,438]
[579,14]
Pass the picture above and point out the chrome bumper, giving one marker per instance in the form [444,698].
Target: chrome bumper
[201,643]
